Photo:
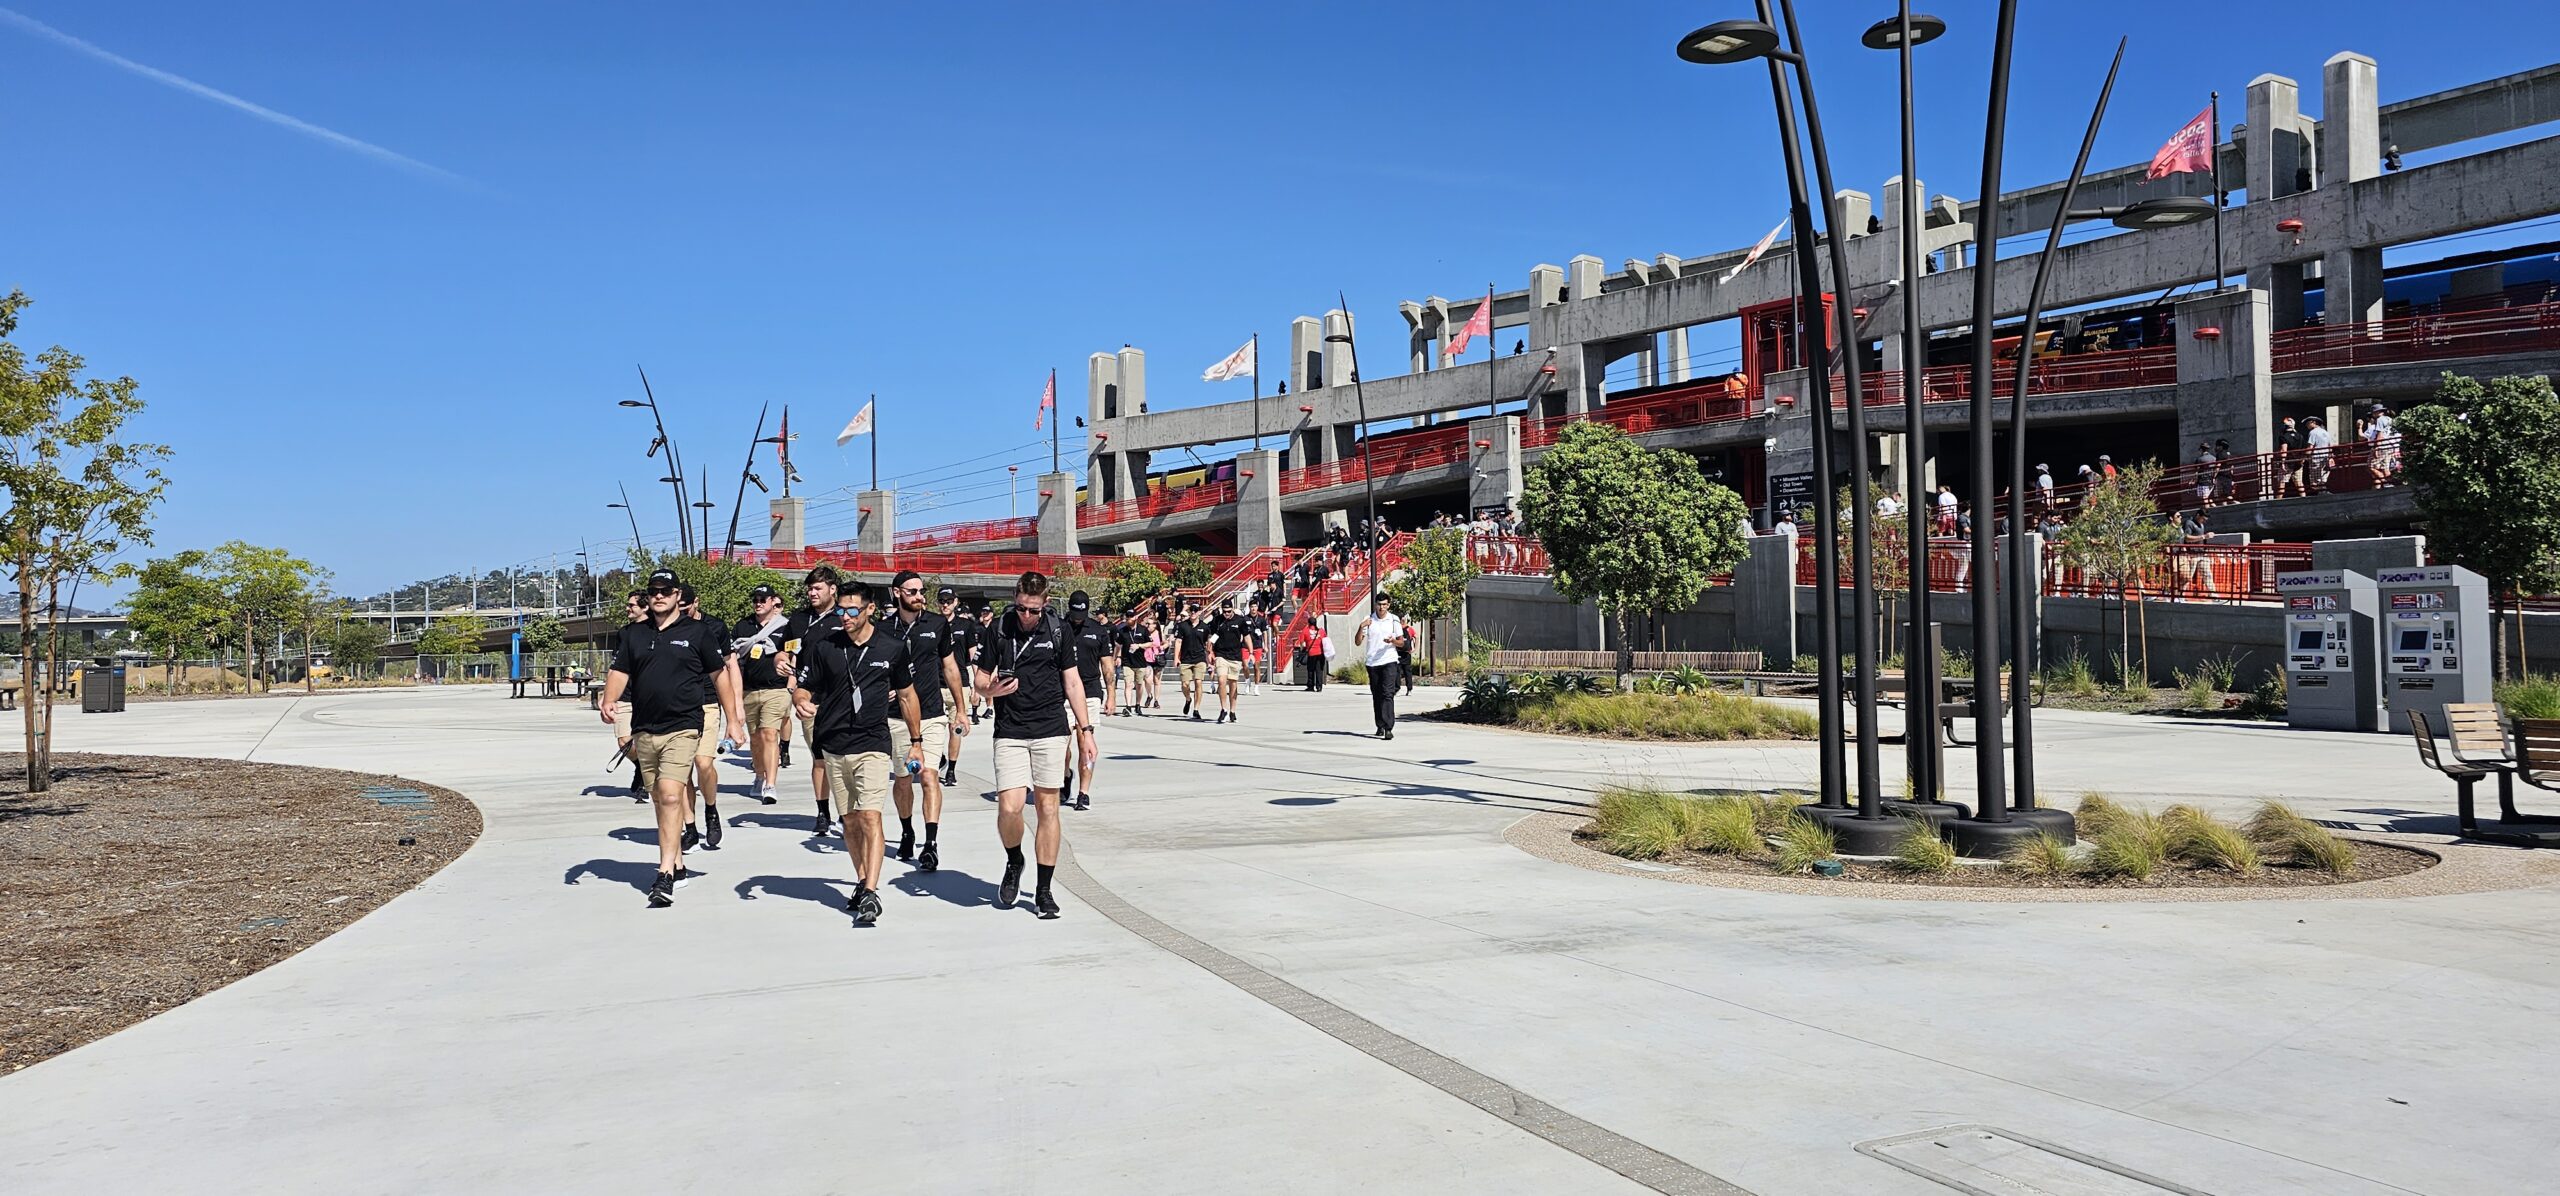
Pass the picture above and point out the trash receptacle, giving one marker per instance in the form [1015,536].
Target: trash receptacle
[102,690]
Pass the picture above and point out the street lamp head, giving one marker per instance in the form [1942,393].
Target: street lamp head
[1338,338]
[615,506]
[630,403]
[1728,41]
[2165,212]
[671,479]
[1887,33]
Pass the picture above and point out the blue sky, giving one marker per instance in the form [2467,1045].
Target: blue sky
[407,368]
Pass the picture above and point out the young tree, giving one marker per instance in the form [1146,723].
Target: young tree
[78,494]
[1433,584]
[174,609]
[267,589]
[2485,458]
[1632,529]
[314,604]
[1190,570]
[544,635]
[722,584]
[452,635]
[1130,581]
[352,643]
[2118,534]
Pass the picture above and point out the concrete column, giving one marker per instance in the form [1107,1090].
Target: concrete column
[1419,330]
[1582,394]
[1855,207]
[1764,600]
[876,525]
[1582,276]
[1306,349]
[1102,388]
[1337,362]
[2225,381]
[1057,513]
[787,529]
[2351,287]
[2274,149]
[1678,352]
[1649,361]
[2351,151]
[1133,380]
[1546,285]
[1258,501]
[1493,446]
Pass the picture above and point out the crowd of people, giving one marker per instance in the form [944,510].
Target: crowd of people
[886,692]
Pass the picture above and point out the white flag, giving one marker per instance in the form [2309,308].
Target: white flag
[861,425]
[1756,251]
[1238,364]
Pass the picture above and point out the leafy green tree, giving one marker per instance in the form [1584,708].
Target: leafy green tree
[2118,534]
[1190,570]
[78,494]
[544,635]
[1632,529]
[175,609]
[2485,458]
[351,643]
[268,589]
[452,635]
[722,584]
[1130,581]
[1433,582]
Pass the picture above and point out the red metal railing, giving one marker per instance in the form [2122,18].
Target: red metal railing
[1339,594]
[1419,453]
[2427,337]
[1509,556]
[1189,498]
[969,533]
[2051,374]
[933,563]
[2197,572]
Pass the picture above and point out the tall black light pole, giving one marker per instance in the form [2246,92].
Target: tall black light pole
[639,552]
[1920,664]
[1368,475]
[675,462]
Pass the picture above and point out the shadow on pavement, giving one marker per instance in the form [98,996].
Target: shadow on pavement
[797,888]
[1304,801]
[957,888]
[623,872]
[646,836]
[806,824]
[605,791]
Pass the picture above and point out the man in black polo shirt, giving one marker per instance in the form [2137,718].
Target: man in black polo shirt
[1257,649]
[665,665]
[1092,639]
[763,689]
[928,639]
[1191,632]
[706,751]
[853,679]
[1027,667]
[963,648]
[820,588]
[1226,657]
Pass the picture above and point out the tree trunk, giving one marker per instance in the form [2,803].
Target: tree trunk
[52,675]
[2142,618]
[306,657]
[2498,632]
[249,652]
[39,778]
[1626,653]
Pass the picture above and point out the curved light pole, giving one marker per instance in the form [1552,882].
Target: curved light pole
[638,551]
[1900,33]
[1368,475]
[675,462]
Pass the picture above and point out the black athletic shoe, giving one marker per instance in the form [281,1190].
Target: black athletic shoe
[931,860]
[1010,890]
[1046,905]
[1084,801]
[951,774]
[786,753]
[1195,717]
[866,907]
[825,823]
[639,792]
[906,847]
[711,837]
[691,839]
[662,891]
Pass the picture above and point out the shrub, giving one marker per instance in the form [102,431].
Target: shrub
[1490,697]
[1480,650]
[2095,813]
[1687,679]
[2133,845]
[2530,697]
[1354,673]
[2275,822]
[2196,691]
[1955,664]
[2196,838]
[1726,826]
[1659,716]
[2266,701]
[2043,855]
[1805,665]
[1581,683]
[2313,846]
[2073,677]
[1772,810]
[1804,843]
[1921,850]
[1637,824]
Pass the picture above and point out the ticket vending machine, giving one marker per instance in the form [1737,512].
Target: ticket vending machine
[2331,670]
[2435,629]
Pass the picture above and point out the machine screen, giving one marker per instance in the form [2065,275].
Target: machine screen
[2307,640]
[2413,639]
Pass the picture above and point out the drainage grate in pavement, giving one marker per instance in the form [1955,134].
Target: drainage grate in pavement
[1990,1161]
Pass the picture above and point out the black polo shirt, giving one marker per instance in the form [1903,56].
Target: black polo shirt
[964,637]
[1194,637]
[1226,634]
[795,628]
[928,640]
[668,669]
[1093,641]
[1257,628]
[1038,658]
[756,669]
[855,687]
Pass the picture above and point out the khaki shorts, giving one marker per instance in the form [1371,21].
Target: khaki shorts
[621,721]
[1229,670]
[668,755]
[937,741]
[1191,672]
[709,748]
[1031,763]
[1092,709]
[859,782]
[768,709]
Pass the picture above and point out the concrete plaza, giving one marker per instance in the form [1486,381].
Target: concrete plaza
[1295,959]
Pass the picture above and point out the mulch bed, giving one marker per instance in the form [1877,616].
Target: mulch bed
[2374,861]
[139,883]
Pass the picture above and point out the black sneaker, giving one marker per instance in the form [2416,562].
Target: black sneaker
[786,753]
[951,774]
[1084,801]
[824,822]
[1195,717]
[907,846]
[931,860]
[866,906]
[662,891]
[1045,905]
[639,792]
[711,818]
[691,839]
[1010,890]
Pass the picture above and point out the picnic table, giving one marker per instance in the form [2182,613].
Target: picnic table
[554,681]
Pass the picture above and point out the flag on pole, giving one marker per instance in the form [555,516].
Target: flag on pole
[861,425]
[1239,364]
[1048,399]
[1479,324]
[1754,255]
[2190,150]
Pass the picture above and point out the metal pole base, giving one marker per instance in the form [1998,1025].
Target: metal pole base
[1935,813]
[2057,823]
[1881,835]
[1976,839]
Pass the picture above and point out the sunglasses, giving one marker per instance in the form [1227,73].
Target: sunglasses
[660,593]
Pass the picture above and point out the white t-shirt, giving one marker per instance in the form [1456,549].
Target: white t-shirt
[1384,632]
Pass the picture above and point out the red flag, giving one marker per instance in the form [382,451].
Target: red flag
[1048,399]
[2190,150]
[1481,324]
[782,444]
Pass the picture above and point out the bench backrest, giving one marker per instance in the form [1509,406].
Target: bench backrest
[2538,748]
[2426,738]
[2475,730]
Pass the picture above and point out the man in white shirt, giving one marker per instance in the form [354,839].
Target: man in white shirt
[1888,506]
[1378,636]
[2320,439]
[1786,526]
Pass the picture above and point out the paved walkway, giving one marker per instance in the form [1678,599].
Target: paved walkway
[1297,960]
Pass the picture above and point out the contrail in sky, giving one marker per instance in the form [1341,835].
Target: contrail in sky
[190,86]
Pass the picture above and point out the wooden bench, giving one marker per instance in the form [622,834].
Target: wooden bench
[2537,764]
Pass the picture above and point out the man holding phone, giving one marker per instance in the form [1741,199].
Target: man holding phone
[929,655]
[666,665]
[852,680]
[1026,667]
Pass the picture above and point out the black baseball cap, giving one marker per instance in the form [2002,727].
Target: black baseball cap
[1079,602]
[663,579]
[762,592]
[945,594]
